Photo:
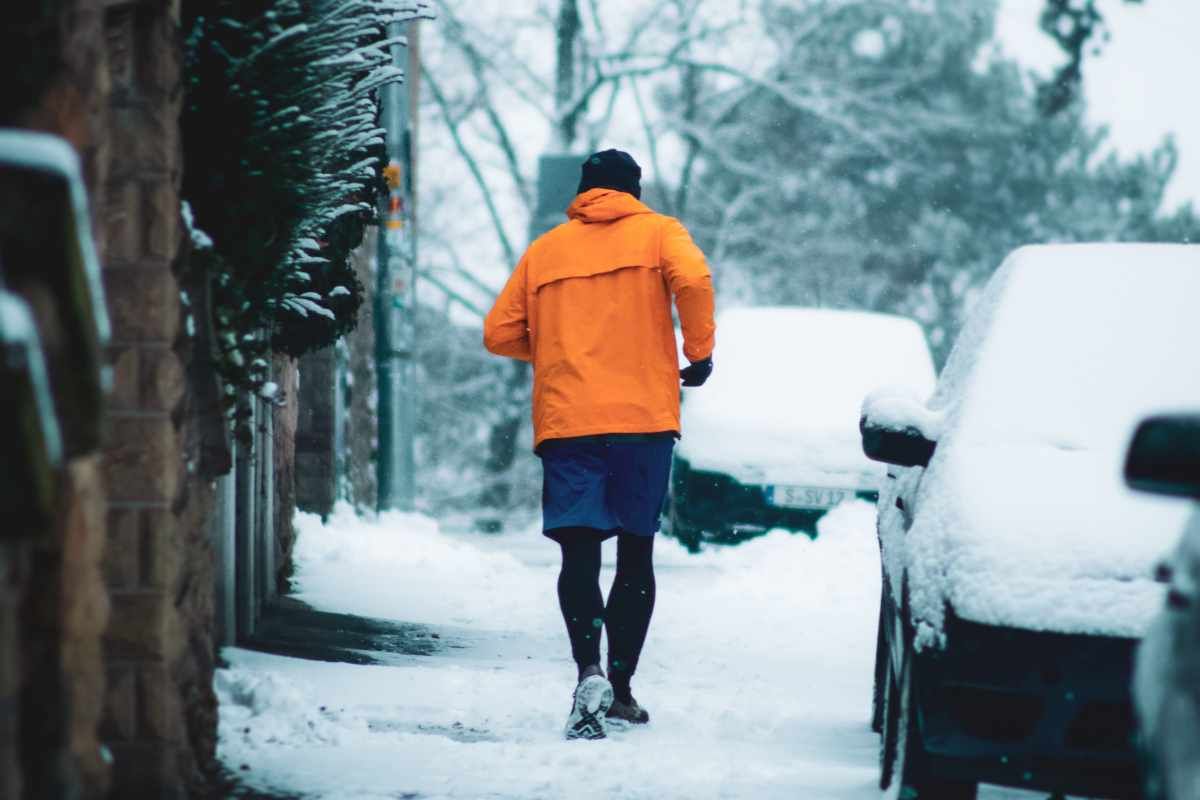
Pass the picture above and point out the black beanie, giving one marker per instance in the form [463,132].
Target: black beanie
[611,169]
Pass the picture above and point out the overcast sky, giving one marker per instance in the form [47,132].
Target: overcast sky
[1144,84]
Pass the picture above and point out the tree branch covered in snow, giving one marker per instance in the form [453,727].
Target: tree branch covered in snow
[283,151]
[1075,26]
[888,159]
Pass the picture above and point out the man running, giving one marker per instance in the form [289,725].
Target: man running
[589,305]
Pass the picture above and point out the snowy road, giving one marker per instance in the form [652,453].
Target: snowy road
[757,673]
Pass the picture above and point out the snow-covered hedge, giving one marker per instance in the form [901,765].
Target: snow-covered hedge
[283,151]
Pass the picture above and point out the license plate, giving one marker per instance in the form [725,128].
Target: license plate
[807,496]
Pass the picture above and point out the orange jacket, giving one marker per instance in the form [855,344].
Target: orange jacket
[590,305]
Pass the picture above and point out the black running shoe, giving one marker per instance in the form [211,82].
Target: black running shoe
[630,712]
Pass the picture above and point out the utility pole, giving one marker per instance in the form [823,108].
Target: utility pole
[396,290]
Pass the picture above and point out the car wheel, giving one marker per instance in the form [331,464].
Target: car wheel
[902,756]
[1152,783]
[889,724]
[688,536]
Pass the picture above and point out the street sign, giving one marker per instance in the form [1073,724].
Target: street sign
[558,178]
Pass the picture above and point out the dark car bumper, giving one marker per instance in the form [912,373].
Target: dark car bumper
[717,507]
[1037,710]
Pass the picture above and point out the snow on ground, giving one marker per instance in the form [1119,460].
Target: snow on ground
[757,673]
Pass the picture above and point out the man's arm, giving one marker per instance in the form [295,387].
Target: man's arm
[506,327]
[691,285]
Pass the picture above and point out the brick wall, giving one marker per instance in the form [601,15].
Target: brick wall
[316,432]
[12,588]
[83,612]
[286,417]
[160,713]
[337,430]
[53,606]
[362,400]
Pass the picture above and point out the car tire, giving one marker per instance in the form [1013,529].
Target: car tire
[1151,771]
[688,536]
[902,753]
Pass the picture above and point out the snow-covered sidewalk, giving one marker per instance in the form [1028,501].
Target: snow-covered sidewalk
[757,673]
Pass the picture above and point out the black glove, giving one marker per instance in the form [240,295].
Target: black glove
[697,373]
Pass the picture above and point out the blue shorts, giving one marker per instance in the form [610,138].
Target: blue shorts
[614,483]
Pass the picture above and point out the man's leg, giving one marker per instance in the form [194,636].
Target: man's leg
[583,611]
[630,605]
[579,594]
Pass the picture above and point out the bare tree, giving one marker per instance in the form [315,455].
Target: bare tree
[492,92]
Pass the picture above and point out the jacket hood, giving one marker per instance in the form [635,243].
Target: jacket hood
[605,205]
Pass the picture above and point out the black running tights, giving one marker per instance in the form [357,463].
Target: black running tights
[630,602]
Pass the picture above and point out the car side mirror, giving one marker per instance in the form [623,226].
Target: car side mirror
[897,429]
[1164,457]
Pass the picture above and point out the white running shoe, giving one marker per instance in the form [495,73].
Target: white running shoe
[593,698]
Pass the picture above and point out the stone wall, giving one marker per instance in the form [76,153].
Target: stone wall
[53,606]
[286,418]
[13,583]
[361,391]
[316,432]
[107,616]
[160,716]
[115,602]
[81,611]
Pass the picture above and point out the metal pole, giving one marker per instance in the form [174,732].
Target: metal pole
[224,524]
[247,610]
[384,372]
[407,484]
[395,307]
[266,536]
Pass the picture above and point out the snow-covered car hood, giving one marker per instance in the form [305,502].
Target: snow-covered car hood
[782,404]
[1038,537]
[757,454]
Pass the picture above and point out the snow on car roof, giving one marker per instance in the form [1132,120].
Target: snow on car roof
[1023,517]
[787,387]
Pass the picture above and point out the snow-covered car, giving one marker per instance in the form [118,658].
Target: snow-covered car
[1165,459]
[1018,566]
[772,438]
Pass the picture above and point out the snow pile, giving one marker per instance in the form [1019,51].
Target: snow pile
[783,402]
[265,708]
[757,672]
[200,239]
[403,566]
[1023,517]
